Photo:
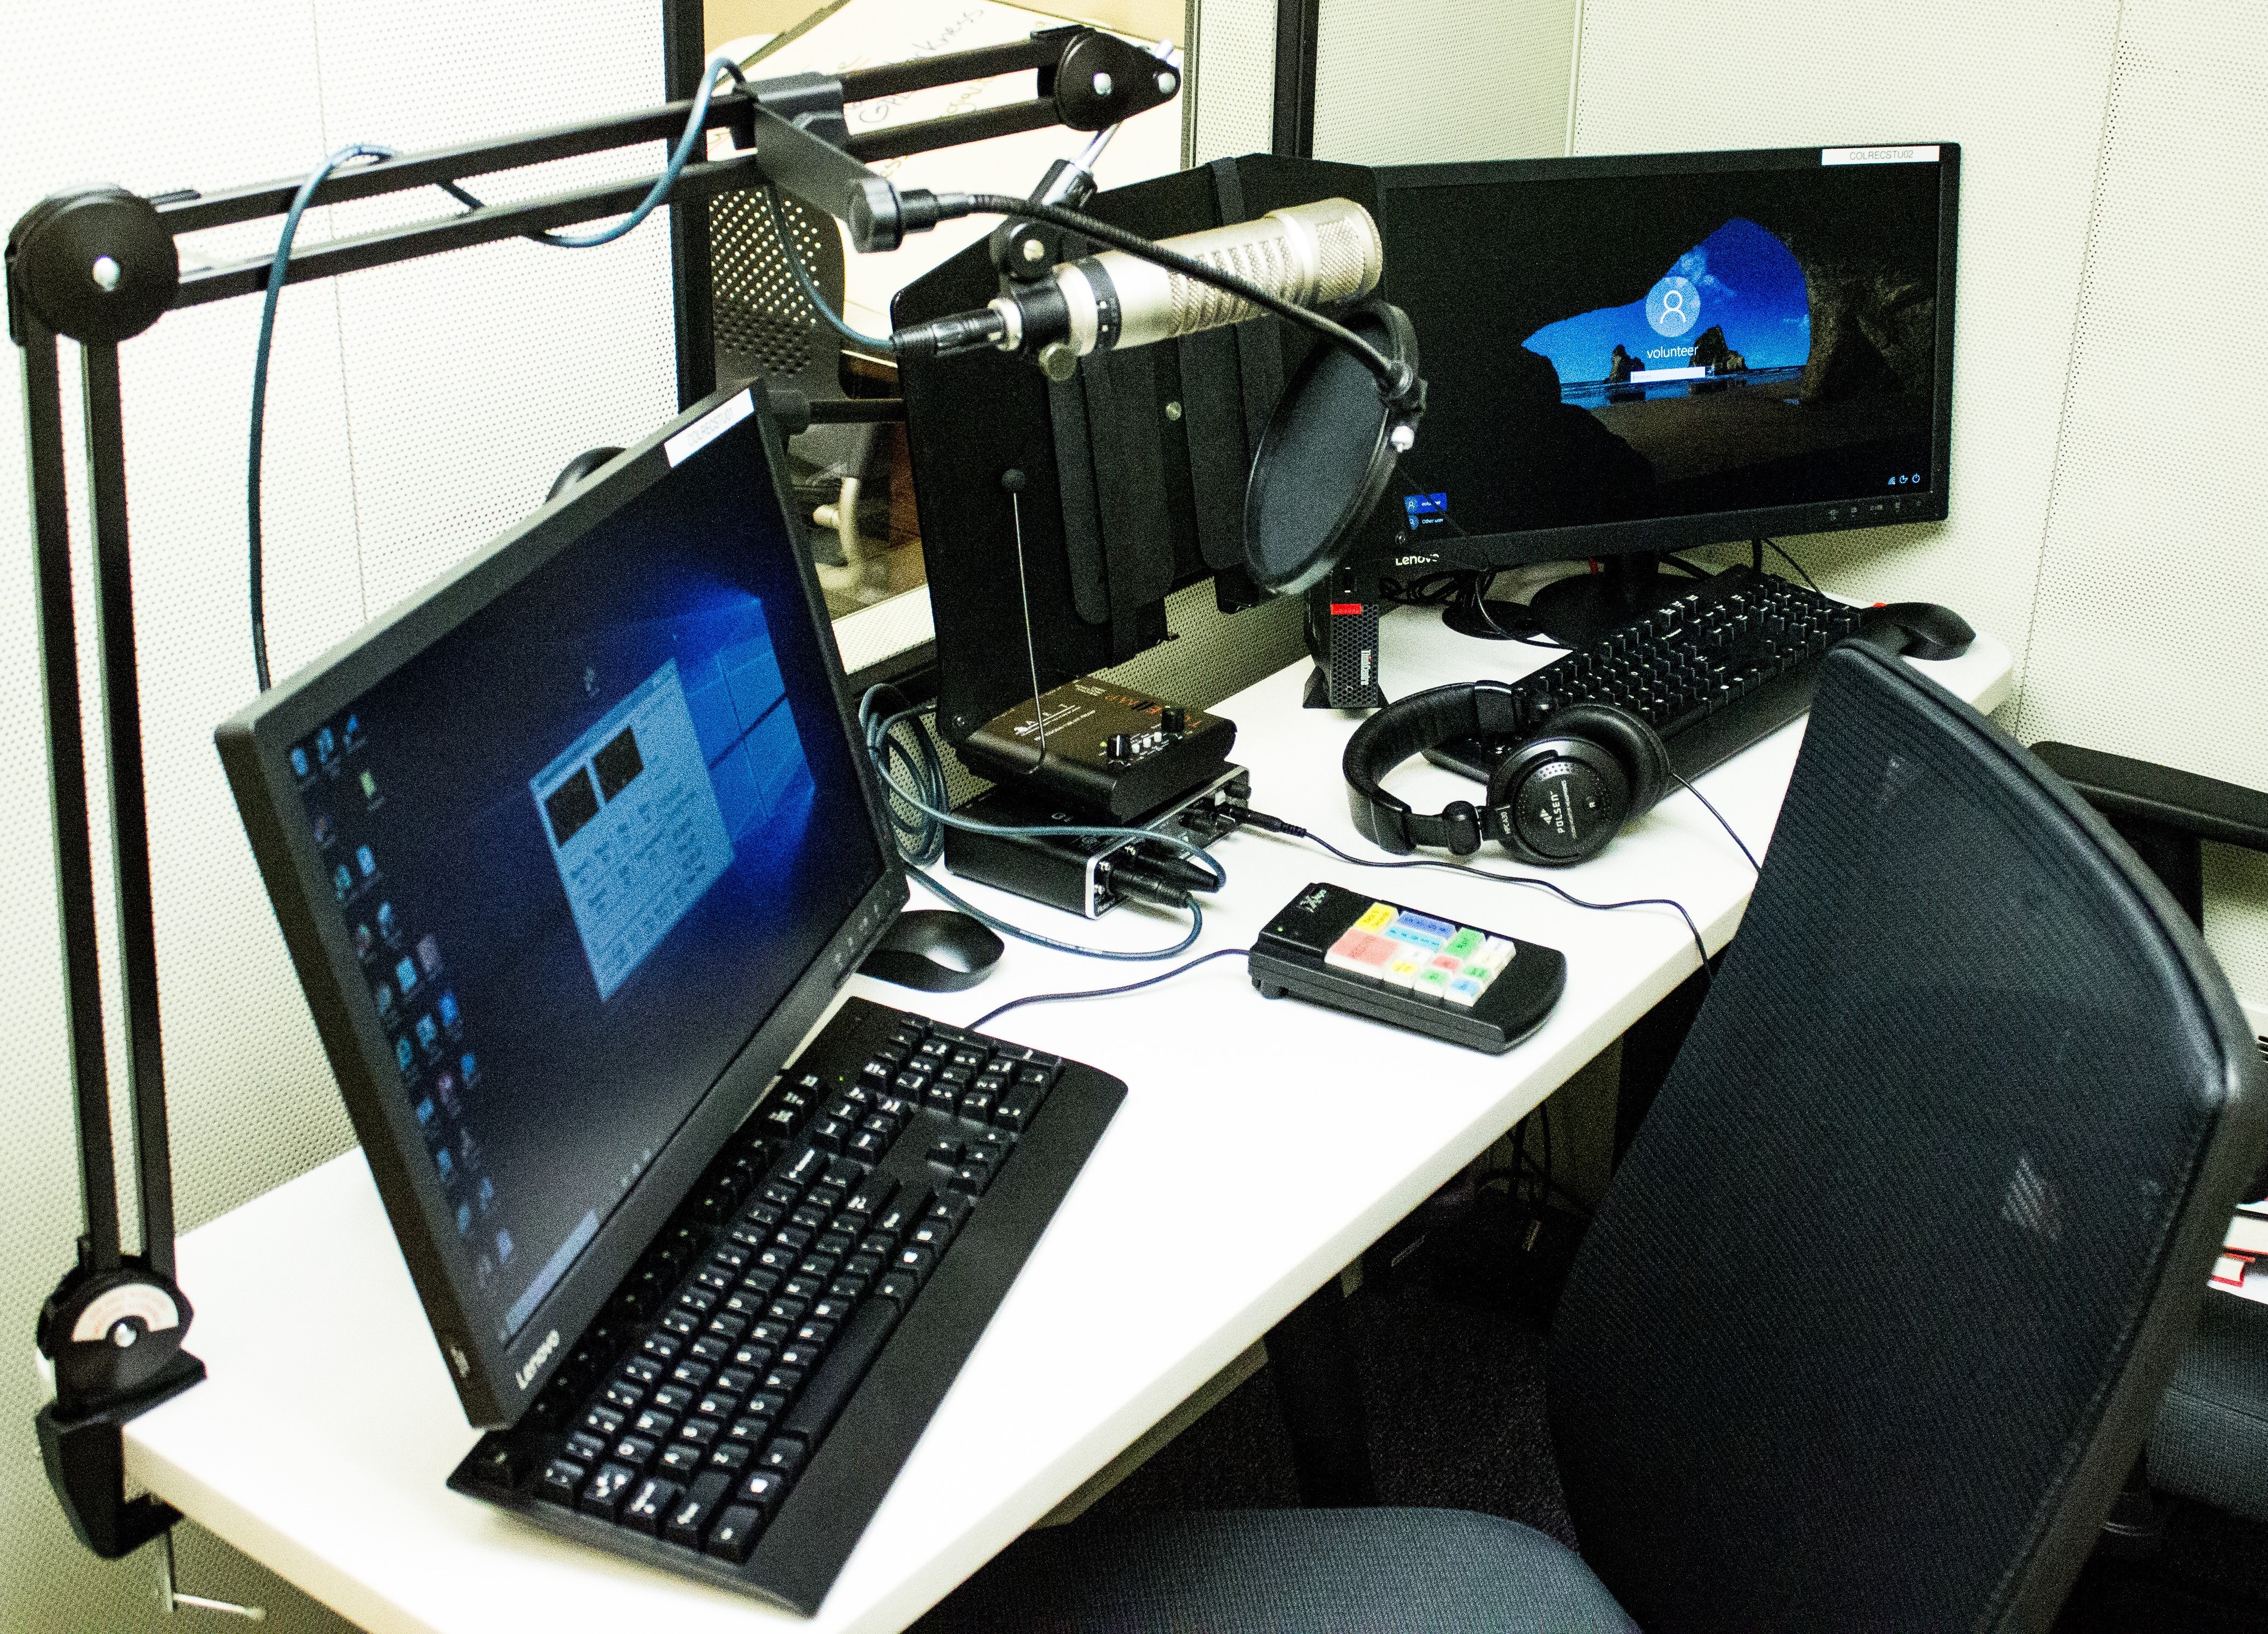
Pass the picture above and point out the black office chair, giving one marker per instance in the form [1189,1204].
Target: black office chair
[2210,1442]
[1875,1315]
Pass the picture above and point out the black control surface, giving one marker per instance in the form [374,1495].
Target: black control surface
[1351,952]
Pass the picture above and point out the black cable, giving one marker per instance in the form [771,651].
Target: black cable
[985,1021]
[1681,782]
[1276,825]
[1797,565]
[921,837]
[1394,378]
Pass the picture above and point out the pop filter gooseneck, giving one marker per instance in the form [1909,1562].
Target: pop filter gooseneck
[1327,453]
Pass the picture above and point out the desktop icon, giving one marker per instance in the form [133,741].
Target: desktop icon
[299,763]
[429,1036]
[406,973]
[363,940]
[446,1086]
[425,1110]
[428,952]
[325,830]
[444,1162]
[504,1248]
[464,1210]
[366,860]
[403,1057]
[370,788]
[1673,305]
[326,745]
[447,1007]
[342,883]
[384,993]
[386,922]
[466,1067]
[352,731]
[488,1193]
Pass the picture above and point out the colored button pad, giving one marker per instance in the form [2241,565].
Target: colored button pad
[1417,954]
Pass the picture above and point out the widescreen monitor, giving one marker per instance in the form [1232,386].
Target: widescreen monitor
[570,851]
[1643,353]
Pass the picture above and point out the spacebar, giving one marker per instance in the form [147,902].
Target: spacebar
[838,1376]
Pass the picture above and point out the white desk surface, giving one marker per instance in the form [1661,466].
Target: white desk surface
[1261,1147]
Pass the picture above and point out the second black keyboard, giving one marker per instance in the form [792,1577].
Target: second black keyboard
[741,1407]
[1732,660]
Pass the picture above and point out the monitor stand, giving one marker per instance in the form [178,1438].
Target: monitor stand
[1577,610]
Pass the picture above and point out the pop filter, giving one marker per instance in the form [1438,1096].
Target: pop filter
[1327,453]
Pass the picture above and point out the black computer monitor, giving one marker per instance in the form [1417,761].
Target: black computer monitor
[569,851]
[1628,356]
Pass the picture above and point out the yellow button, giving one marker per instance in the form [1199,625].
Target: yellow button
[1377,916]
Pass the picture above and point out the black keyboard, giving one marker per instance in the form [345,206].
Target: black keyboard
[1732,660]
[741,1406]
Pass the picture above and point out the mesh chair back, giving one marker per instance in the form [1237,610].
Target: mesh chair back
[1877,1310]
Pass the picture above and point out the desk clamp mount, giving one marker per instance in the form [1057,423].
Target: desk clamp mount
[99,265]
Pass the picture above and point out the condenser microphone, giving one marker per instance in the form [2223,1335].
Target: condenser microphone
[1309,254]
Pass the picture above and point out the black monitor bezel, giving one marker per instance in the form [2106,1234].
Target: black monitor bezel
[1663,533]
[495,1380]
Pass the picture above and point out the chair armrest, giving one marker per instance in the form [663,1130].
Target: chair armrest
[2161,796]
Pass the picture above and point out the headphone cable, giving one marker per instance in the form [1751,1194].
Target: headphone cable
[1291,830]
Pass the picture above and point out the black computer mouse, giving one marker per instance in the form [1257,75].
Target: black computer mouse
[935,950]
[1923,630]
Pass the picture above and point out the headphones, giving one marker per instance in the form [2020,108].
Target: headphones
[1577,776]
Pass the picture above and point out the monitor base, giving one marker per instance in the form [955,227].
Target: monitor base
[1577,610]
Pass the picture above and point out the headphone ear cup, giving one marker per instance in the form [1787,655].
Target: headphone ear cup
[1555,821]
[1645,757]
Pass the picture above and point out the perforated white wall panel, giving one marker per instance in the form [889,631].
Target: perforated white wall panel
[1235,85]
[1432,80]
[411,414]
[2151,619]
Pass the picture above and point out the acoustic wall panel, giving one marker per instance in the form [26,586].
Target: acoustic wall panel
[411,416]
[1434,80]
[1234,80]
[2020,84]
[2151,618]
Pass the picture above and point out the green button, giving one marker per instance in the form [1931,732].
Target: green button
[1464,944]
[1479,973]
[1432,983]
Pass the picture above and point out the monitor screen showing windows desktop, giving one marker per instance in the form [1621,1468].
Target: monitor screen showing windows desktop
[568,848]
[1642,353]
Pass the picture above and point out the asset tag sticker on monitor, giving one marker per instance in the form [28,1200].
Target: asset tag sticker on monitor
[1878,155]
[709,427]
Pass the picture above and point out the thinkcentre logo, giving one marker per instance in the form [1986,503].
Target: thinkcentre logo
[535,1362]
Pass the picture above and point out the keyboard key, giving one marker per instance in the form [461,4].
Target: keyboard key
[673,1398]
[812,1416]
[626,1395]
[636,1451]
[734,1534]
[655,1424]
[682,1459]
[606,1423]
[689,1517]
[699,1432]
[603,1497]
[762,1492]
[782,1455]
[561,1482]
[732,1457]
[650,1504]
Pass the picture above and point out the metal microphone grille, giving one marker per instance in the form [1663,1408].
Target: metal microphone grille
[1310,254]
